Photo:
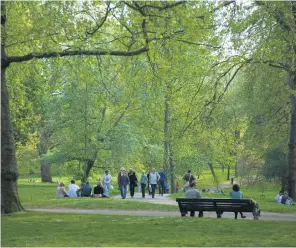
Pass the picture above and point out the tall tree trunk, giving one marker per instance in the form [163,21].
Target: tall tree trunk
[213,173]
[292,140]
[166,136]
[45,168]
[9,174]
[172,169]
[89,165]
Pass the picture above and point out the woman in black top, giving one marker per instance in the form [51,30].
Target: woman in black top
[99,190]
[133,182]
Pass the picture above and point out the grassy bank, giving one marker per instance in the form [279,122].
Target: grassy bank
[50,229]
[43,195]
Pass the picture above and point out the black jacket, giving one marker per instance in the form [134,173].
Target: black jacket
[132,177]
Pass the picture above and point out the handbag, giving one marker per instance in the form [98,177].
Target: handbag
[135,184]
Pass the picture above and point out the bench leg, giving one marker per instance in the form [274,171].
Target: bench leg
[256,213]
[183,213]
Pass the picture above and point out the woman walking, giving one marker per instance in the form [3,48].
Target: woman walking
[153,180]
[133,182]
[143,182]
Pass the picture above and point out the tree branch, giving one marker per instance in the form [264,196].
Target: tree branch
[18,59]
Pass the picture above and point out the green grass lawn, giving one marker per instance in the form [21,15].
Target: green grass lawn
[43,196]
[50,229]
[267,204]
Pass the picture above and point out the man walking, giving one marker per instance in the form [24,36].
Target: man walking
[107,182]
[162,179]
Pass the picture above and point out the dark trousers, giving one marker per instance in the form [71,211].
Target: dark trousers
[132,188]
[235,214]
[153,189]
[143,187]
[200,213]
[161,186]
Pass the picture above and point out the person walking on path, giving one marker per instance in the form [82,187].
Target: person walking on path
[143,182]
[107,182]
[149,185]
[188,178]
[162,179]
[123,182]
[133,182]
[236,194]
[153,178]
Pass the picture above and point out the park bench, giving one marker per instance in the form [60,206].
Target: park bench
[218,205]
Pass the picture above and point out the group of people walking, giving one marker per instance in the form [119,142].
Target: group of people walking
[150,180]
[124,180]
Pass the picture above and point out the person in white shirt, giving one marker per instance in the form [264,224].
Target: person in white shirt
[72,189]
[278,198]
[153,180]
[107,182]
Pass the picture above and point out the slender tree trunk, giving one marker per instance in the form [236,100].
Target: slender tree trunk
[45,168]
[228,173]
[166,136]
[172,169]
[9,174]
[213,173]
[292,141]
[89,165]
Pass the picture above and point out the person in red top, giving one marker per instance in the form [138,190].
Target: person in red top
[177,187]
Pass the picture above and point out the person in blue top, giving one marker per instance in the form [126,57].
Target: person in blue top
[86,190]
[162,179]
[236,194]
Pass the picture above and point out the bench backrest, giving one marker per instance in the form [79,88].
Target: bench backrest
[212,204]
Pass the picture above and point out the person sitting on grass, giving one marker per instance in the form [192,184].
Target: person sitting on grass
[99,191]
[73,189]
[286,199]
[236,194]
[61,192]
[86,190]
[278,198]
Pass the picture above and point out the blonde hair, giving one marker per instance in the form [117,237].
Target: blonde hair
[62,184]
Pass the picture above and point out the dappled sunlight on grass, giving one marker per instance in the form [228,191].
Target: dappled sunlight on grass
[50,229]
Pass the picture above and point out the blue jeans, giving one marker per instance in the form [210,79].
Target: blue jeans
[106,187]
[123,190]
[153,189]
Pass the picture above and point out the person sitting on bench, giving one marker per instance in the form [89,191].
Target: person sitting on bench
[236,194]
[192,192]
